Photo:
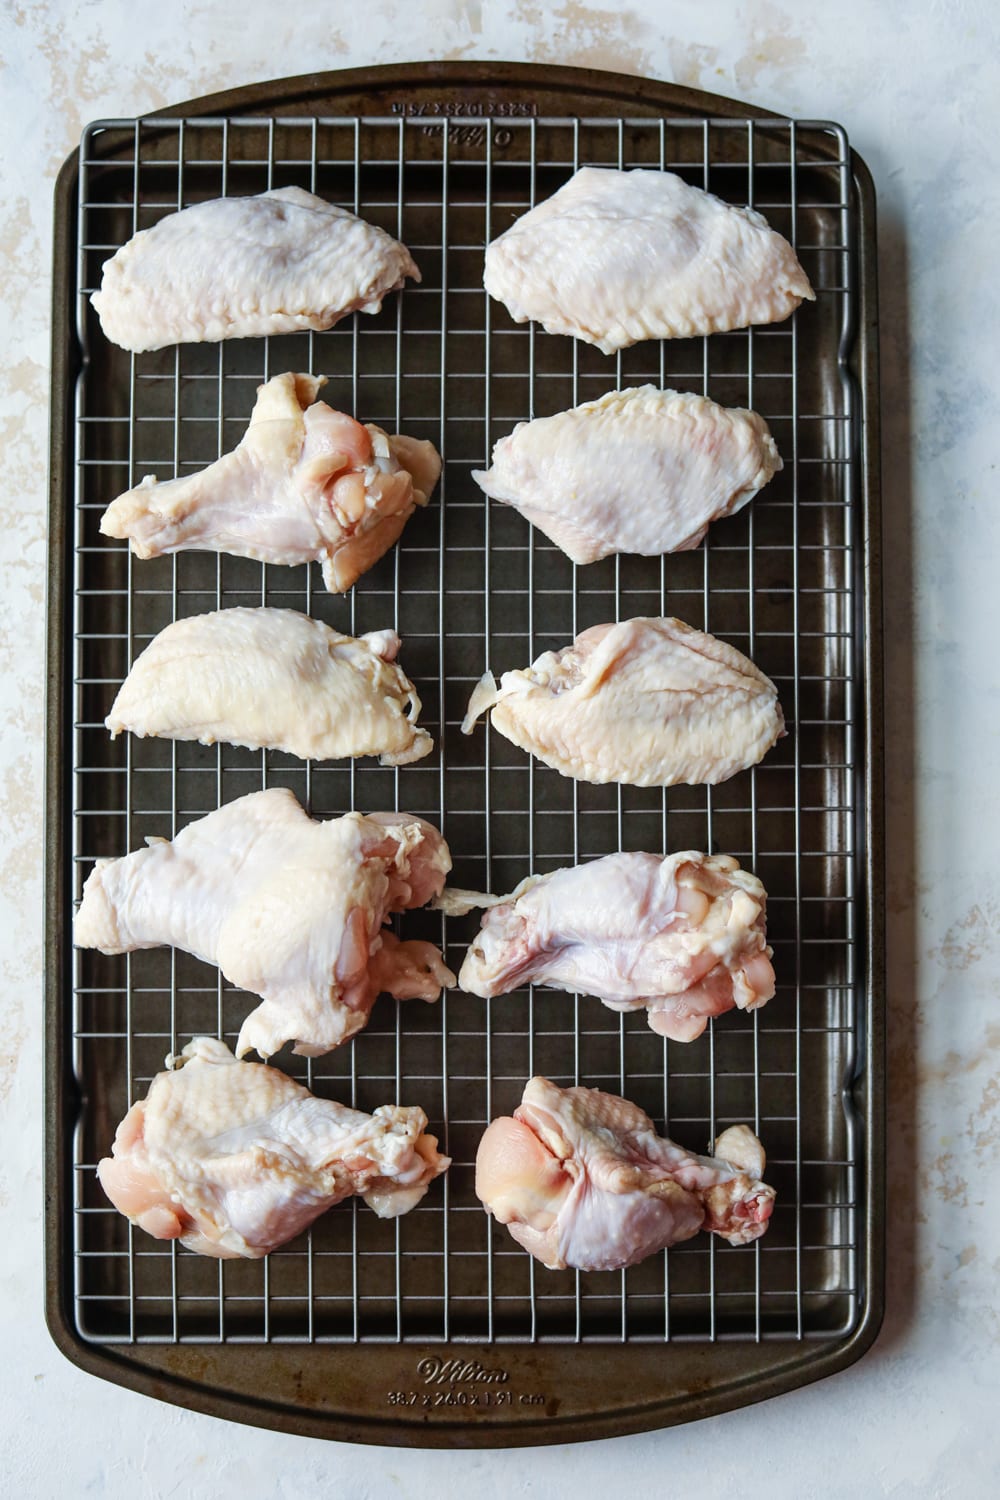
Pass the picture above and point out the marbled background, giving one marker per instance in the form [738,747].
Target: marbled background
[917,86]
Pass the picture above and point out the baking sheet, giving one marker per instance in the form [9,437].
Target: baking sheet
[471,586]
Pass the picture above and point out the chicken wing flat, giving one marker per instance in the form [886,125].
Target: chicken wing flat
[646,702]
[615,257]
[641,471]
[236,268]
[274,679]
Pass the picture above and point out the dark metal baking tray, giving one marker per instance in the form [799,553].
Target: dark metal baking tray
[438,1329]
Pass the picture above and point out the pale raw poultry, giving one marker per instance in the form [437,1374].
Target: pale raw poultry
[582,1179]
[641,471]
[290,909]
[235,1159]
[682,937]
[615,257]
[234,268]
[273,679]
[305,484]
[645,702]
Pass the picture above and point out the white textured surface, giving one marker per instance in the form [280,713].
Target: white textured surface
[916,86]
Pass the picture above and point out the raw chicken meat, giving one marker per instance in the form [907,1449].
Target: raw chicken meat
[582,1179]
[647,702]
[289,909]
[236,268]
[682,936]
[305,483]
[273,678]
[237,1158]
[614,257]
[637,471]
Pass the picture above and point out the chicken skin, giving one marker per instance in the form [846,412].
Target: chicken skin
[236,268]
[646,702]
[615,257]
[582,1179]
[290,909]
[275,679]
[235,1159]
[306,483]
[682,937]
[641,471]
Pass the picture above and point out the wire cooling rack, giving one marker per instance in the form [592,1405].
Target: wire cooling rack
[472,586]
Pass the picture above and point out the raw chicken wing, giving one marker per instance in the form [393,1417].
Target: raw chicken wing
[290,909]
[637,471]
[614,257]
[647,702]
[236,268]
[582,1179]
[306,483]
[275,679]
[682,937]
[237,1158]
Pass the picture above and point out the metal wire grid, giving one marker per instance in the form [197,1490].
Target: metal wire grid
[471,585]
